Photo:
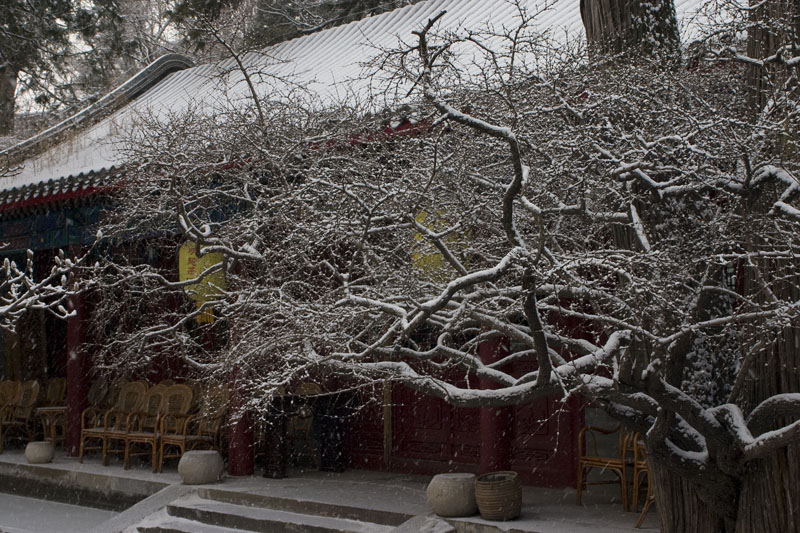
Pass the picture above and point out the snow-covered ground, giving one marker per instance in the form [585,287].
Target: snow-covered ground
[19,514]
[544,510]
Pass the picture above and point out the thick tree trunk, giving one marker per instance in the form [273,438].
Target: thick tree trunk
[773,25]
[770,496]
[647,27]
[8,86]
[769,501]
[679,505]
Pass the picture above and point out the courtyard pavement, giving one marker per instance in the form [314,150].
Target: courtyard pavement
[543,511]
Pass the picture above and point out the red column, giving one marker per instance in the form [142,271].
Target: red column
[496,424]
[77,372]
[241,453]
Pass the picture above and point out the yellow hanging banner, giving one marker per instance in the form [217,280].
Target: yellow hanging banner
[190,266]
[425,256]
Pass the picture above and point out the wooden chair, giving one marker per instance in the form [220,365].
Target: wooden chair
[55,392]
[299,429]
[53,411]
[590,458]
[299,434]
[114,388]
[94,419]
[118,425]
[17,417]
[8,392]
[98,394]
[182,432]
[307,388]
[641,470]
[176,401]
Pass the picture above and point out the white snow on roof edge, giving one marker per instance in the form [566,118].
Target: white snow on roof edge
[328,63]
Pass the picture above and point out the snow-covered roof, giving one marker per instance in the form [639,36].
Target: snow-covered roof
[329,64]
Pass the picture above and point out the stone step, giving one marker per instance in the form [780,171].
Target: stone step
[375,511]
[234,516]
[161,522]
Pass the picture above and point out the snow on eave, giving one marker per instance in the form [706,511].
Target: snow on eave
[119,97]
[328,64]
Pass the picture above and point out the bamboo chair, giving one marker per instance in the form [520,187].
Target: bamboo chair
[92,416]
[8,392]
[641,470]
[52,411]
[17,417]
[176,401]
[299,434]
[94,419]
[114,388]
[299,428]
[182,432]
[307,388]
[98,394]
[118,425]
[55,392]
[590,458]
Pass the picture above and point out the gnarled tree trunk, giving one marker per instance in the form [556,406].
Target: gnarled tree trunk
[679,505]
[770,497]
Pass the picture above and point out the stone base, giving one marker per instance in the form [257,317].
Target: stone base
[39,452]
[452,495]
[200,467]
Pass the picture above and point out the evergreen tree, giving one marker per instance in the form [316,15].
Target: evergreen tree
[34,46]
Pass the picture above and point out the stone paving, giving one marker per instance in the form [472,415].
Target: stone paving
[543,510]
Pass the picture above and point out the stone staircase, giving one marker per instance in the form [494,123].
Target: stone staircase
[213,511]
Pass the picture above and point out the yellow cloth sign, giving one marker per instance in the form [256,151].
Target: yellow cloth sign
[425,256]
[190,266]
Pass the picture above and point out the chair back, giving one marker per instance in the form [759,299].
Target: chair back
[55,392]
[300,423]
[113,389]
[151,405]
[130,396]
[26,400]
[97,393]
[8,392]
[307,388]
[176,400]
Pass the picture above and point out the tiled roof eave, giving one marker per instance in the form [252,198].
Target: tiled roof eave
[46,195]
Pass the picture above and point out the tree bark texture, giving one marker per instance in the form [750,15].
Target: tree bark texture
[774,24]
[648,27]
[680,508]
[770,496]
[8,86]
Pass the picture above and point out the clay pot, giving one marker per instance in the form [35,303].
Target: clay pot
[452,494]
[39,452]
[200,467]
